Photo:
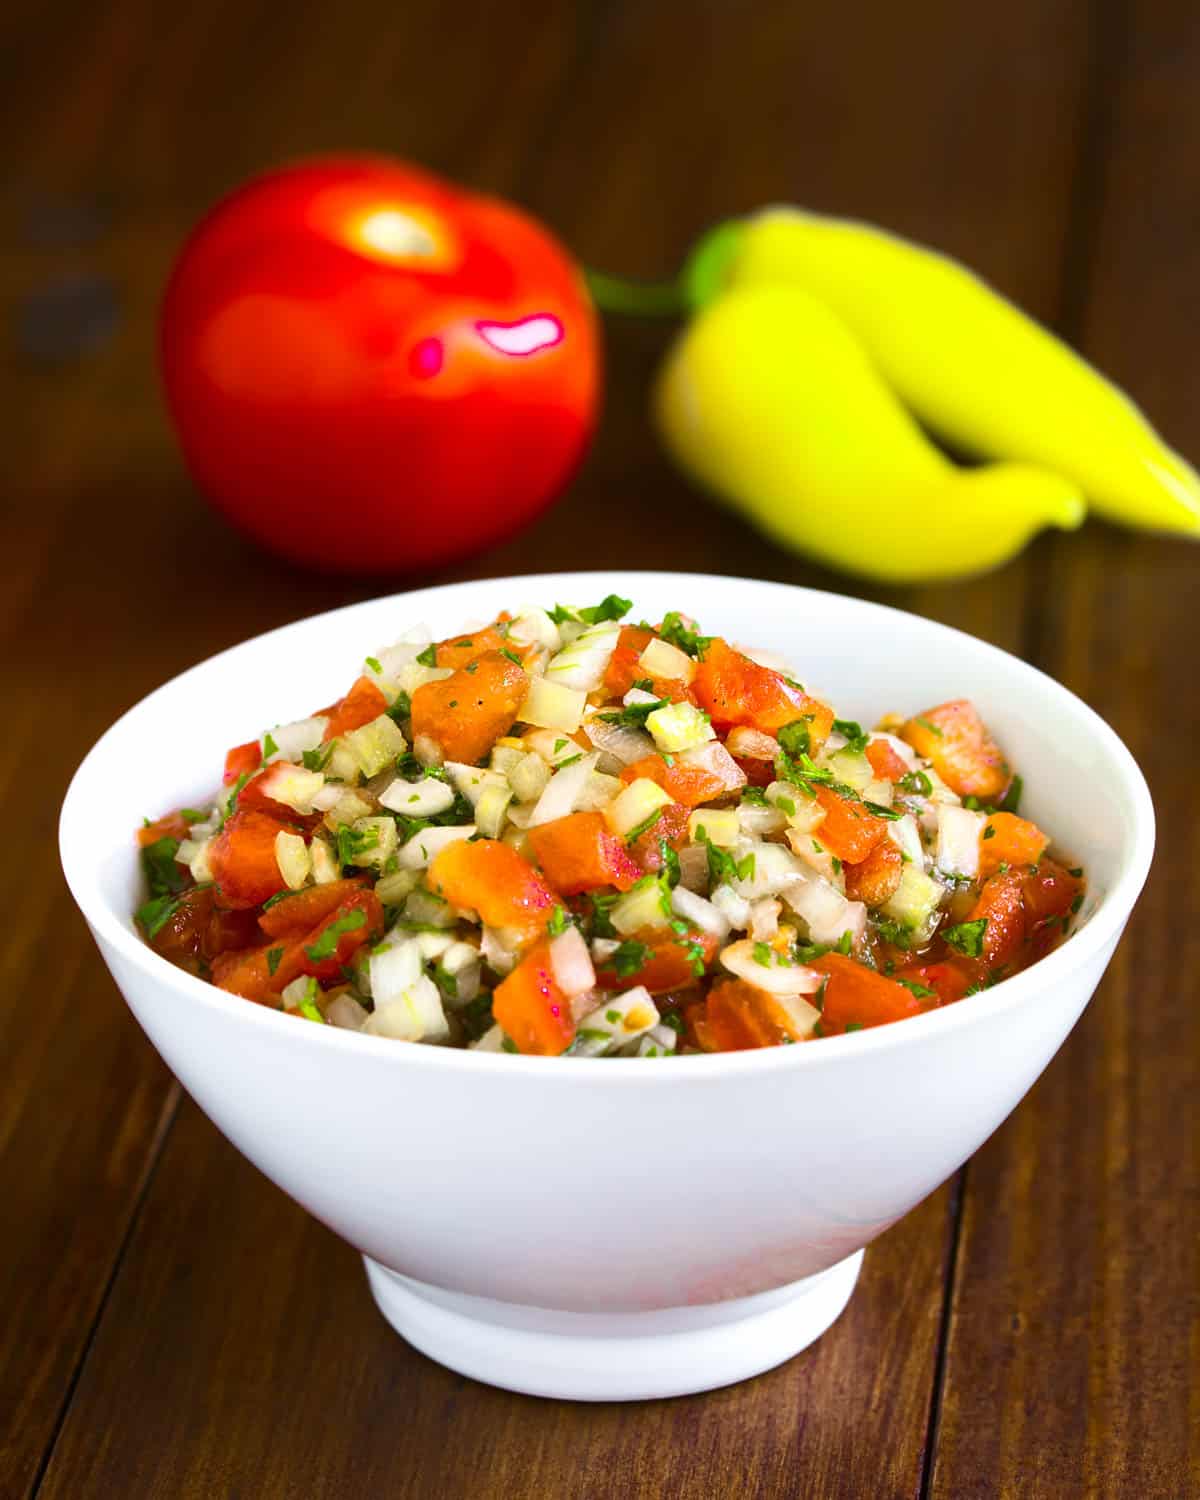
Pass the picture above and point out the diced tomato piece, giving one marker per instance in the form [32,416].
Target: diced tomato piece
[690,785]
[964,755]
[241,760]
[874,879]
[622,670]
[670,961]
[671,829]
[467,713]
[531,1009]
[247,972]
[361,704]
[459,650]
[855,996]
[333,941]
[198,930]
[1009,840]
[489,877]
[1052,892]
[242,859]
[696,1028]
[578,853]
[300,911]
[885,762]
[172,825]
[848,830]
[740,1017]
[1001,903]
[735,690]
[756,772]
[948,981]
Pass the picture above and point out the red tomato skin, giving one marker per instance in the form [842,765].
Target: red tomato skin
[317,370]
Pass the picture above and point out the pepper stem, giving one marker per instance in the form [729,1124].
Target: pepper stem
[647,299]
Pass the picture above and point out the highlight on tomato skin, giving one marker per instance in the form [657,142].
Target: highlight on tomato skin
[530,835]
[371,370]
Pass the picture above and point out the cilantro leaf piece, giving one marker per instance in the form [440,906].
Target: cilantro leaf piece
[428,657]
[686,637]
[1012,798]
[327,942]
[916,782]
[630,957]
[855,736]
[795,739]
[163,874]
[915,987]
[633,715]
[967,937]
[154,915]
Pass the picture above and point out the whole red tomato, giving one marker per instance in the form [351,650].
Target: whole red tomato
[370,369]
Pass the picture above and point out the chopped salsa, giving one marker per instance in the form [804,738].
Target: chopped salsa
[561,833]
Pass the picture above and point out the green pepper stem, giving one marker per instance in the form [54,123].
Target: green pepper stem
[645,299]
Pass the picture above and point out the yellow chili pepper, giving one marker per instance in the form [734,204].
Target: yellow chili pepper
[970,365]
[768,399]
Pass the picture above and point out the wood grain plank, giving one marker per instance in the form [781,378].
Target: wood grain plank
[1075,1336]
[628,128]
[257,1365]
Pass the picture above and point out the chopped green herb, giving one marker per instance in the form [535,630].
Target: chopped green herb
[508,1045]
[351,842]
[878,810]
[644,826]
[853,1026]
[932,728]
[327,942]
[154,915]
[844,944]
[1012,798]
[675,1021]
[447,983]
[756,796]
[967,937]
[374,663]
[1076,904]
[192,815]
[570,761]
[916,782]
[308,1009]
[722,867]
[630,957]
[670,863]
[891,932]
[921,991]
[762,955]
[785,805]
[269,746]
[428,657]
[317,760]
[276,899]
[601,905]
[685,637]
[591,1034]
[795,739]
[477,1016]
[1077,871]
[643,685]
[559,745]
[989,832]
[613,1017]
[856,738]
[273,957]
[401,708]
[512,656]
[837,865]
[163,874]
[558,922]
[612,607]
[634,715]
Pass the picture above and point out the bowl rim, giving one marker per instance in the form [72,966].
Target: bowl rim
[1070,956]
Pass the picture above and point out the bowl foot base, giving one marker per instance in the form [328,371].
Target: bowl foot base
[612,1356]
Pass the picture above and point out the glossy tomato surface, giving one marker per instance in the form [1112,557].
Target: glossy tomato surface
[370,369]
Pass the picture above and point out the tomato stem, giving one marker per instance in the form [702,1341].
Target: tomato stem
[647,299]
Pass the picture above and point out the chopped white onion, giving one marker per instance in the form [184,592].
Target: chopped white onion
[640,800]
[292,859]
[293,786]
[958,833]
[534,627]
[499,955]
[774,867]
[491,811]
[777,978]
[661,659]
[734,908]
[582,664]
[751,744]
[622,743]
[393,968]
[563,791]
[423,847]
[905,834]
[553,705]
[598,793]
[418,799]
[679,726]
[719,825]
[413,1015]
[617,1021]
[825,910]
[717,761]
[292,740]
[472,781]
[345,1011]
[758,822]
[700,913]
[764,919]
[571,963]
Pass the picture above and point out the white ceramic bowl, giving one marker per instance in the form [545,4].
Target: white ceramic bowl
[611,1229]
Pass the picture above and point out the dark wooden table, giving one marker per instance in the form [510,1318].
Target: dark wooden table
[172,1325]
